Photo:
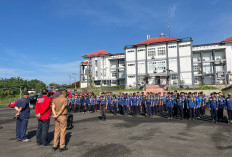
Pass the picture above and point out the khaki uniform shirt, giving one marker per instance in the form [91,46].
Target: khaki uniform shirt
[59,102]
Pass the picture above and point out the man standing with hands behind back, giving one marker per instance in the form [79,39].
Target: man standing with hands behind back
[43,114]
[59,110]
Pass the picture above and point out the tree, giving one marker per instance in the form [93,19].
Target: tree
[39,87]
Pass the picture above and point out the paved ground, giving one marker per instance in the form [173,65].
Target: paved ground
[123,136]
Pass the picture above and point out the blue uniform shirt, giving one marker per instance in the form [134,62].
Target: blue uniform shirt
[120,100]
[221,101]
[180,102]
[159,100]
[213,103]
[192,102]
[149,100]
[143,97]
[229,103]
[164,99]
[127,101]
[169,102]
[103,100]
[115,101]
[110,98]
[24,104]
[134,101]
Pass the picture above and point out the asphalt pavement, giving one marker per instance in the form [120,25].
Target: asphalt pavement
[121,136]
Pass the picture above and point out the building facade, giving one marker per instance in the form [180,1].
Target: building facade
[160,61]
[101,68]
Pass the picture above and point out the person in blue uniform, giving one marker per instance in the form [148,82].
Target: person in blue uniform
[143,103]
[104,105]
[92,104]
[115,104]
[78,102]
[126,105]
[170,104]
[164,97]
[180,105]
[198,104]
[23,114]
[139,102]
[175,108]
[213,106]
[154,104]
[148,103]
[110,105]
[186,111]
[202,106]
[69,104]
[98,101]
[221,104]
[82,104]
[73,103]
[120,101]
[134,104]
[192,103]
[228,107]
[160,104]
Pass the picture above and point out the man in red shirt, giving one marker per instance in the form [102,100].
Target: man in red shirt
[43,114]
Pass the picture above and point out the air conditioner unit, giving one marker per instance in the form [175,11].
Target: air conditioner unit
[155,71]
[199,58]
[175,82]
[153,57]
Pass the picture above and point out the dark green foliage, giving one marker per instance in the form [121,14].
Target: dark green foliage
[11,86]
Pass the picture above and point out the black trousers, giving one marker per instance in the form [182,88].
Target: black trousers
[229,114]
[143,107]
[220,113]
[103,111]
[180,112]
[42,132]
[192,112]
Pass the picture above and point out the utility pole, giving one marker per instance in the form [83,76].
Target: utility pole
[75,80]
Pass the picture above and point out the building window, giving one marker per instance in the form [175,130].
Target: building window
[131,65]
[96,63]
[186,45]
[96,73]
[139,50]
[130,51]
[174,76]
[114,74]
[151,52]
[172,47]
[131,76]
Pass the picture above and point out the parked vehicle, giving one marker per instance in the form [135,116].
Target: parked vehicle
[12,104]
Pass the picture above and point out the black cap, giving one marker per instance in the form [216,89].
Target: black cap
[26,93]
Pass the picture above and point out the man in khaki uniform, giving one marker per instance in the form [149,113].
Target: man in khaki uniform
[59,110]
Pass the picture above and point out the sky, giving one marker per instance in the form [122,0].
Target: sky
[45,39]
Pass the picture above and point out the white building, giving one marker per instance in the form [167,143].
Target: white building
[160,60]
[102,69]
[212,62]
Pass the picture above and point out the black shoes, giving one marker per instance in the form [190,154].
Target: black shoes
[63,149]
[54,148]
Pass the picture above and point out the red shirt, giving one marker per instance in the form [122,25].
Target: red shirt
[43,107]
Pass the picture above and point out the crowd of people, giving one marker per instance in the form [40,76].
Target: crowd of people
[177,105]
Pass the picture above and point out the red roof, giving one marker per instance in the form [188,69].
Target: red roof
[157,40]
[97,53]
[228,39]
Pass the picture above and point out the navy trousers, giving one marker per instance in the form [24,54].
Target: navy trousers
[229,114]
[115,109]
[192,112]
[135,110]
[42,132]
[180,111]
[148,109]
[169,111]
[21,128]
[125,109]
[214,114]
